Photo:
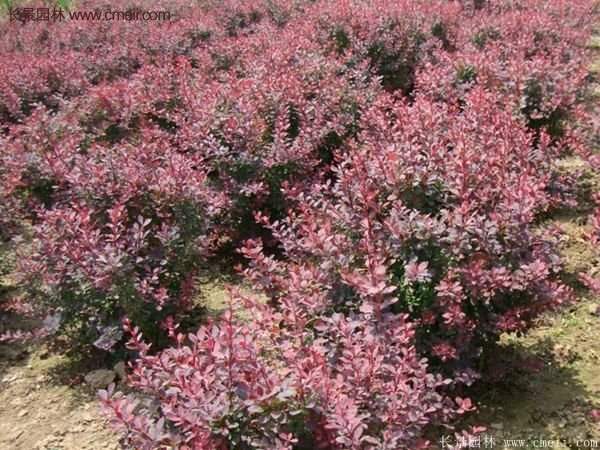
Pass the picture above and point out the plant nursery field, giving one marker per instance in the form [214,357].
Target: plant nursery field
[299,224]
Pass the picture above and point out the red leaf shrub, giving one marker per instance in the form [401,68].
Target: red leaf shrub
[162,136]
[111,231]
[591,279]
[438,226]
[533,55]
[278,383]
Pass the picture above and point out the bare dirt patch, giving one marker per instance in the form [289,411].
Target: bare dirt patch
[38,411]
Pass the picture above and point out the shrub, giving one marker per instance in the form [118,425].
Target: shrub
[282,382]
[517,51]
[436,226]
[114,227]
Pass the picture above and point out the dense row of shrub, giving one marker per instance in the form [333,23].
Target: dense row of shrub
[381,166]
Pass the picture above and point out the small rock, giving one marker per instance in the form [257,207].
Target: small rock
[120,370]
[558,349]
[17,401]
[100,378]
[18,435]
[23,413]
[497,426]
[594,310]
[86,418]
[10,378]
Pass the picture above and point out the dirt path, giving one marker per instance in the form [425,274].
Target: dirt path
[39,411]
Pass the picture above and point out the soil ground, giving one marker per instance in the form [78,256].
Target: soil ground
[39,411]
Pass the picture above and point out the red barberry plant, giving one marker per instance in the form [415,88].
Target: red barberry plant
[439,226]
[591,279]
[115,228]
[533,54]
[283,382]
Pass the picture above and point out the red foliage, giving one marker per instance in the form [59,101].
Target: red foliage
[342,383]
[394,155]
